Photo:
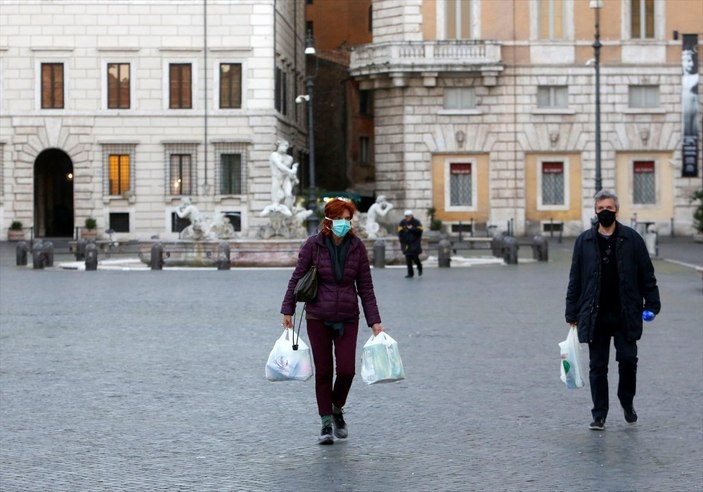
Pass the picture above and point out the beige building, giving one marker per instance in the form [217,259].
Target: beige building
[116,110]
[485,109]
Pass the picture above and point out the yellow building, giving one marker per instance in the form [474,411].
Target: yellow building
[486,109]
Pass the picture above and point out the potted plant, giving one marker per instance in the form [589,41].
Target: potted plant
[435,224]
[698,215]
[89,231]
[16,232]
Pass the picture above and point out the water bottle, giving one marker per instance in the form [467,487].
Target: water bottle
[647,315]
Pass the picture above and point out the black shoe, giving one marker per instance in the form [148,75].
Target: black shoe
[326,435]
[630,415]
[408,276]
[340,426]
[419,272]
[598,424]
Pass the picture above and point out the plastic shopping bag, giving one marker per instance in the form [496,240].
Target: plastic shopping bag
[286,364]
[573,361]
[380,360]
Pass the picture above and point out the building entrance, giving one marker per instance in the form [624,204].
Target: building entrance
[53,194]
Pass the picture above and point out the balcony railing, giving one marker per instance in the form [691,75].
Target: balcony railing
[426,56]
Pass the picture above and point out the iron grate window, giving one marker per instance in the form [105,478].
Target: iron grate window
[118,163]
[553,183]
[644,183]
[231,171]
[181,163]
[460,185]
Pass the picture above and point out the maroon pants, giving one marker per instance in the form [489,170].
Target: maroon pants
[324,345]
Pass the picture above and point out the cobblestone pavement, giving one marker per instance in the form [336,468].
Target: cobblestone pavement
[140,381]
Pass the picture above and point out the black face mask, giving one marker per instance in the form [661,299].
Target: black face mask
[606,217]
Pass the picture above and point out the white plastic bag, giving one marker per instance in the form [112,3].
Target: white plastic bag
[380,360]
[286,364]
[574,369]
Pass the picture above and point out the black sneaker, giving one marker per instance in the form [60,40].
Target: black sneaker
[326,435]
[630,415]
[419,272]
[340,426]
[598,424]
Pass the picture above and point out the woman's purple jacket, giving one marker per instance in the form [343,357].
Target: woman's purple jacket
[335,301]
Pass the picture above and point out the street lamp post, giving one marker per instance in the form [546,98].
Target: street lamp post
[597,5]
[313,220]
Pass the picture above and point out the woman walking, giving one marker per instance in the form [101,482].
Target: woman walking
[333,317]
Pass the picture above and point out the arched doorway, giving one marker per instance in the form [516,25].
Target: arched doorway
[53,194]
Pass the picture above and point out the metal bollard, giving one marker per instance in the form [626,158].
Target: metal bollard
[22,250]
[379,253]
[510,249]
[444,253]
[91,256]
[497,245]
[38,255]
[540,248]
[156,261]
[80,249]
[223,256]
[49,254]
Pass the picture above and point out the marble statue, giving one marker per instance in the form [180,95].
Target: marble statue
[374,215]
[202,227]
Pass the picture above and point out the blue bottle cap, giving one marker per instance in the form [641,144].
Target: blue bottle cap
[647,315]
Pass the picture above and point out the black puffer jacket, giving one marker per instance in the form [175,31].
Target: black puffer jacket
[638,285]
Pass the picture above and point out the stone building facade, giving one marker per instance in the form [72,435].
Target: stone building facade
[484,110]
[117,110]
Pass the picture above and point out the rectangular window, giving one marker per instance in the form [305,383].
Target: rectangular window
[281,91]
[553,96]
[643,96]
[551,19]
[118,85]
[230,85]
[119,221]
[460,98]
[52,85]
[366,102]
[643,183]
[364,150]
[180,174]
[230,174]
[642,19]
[118,172]
[460,185]
[552,183]
[177,223]
[180,86]
[458,19]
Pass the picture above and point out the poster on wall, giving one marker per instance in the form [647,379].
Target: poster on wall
[689,105]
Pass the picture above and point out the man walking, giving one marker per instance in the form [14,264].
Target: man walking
[410,235]
[611,282]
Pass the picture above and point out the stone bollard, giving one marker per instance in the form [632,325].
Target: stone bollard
[497,245]
[540,248]
[22,250]
[156,261]
[91,256]
[223,256]
[510,248]
[80,249]
[379,253]
[38,257]
[49,254]
[651,241]
[444,253]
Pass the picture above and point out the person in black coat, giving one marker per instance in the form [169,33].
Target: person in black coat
[610,283]
[410,235]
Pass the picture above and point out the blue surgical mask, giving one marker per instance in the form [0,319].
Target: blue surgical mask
[340,227]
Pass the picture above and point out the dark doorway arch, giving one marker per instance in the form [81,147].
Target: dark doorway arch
[53,194]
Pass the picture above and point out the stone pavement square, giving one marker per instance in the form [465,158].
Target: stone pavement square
[141,381]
